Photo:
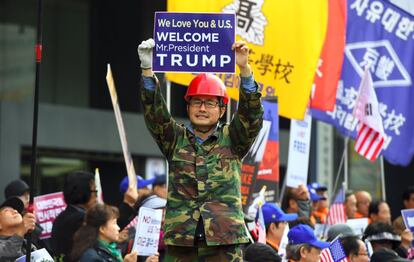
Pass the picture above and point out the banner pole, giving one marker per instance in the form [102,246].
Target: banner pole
[168,94]
[132,179]
[228,111]
[32,183]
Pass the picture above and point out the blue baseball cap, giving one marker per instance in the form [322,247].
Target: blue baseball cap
[123,186]
[303,234]
[273,213]
[317,186]
[314,196]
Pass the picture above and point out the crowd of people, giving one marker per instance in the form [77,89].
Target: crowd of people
[305,207]
[85,230]
[88,231]
[203,217]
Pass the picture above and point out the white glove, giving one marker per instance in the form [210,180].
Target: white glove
[145,53]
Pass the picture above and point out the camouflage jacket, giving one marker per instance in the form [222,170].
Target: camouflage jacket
[204,179]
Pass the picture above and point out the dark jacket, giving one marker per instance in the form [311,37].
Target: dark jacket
[12,247]
[70,220]
[97,253]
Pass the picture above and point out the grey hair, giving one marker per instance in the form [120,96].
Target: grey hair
[293,251]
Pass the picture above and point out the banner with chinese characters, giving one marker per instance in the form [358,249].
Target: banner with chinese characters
[380,36]
[285,38]
[47,208]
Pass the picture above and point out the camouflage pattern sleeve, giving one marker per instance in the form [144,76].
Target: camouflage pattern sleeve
[158,120]
[247,121]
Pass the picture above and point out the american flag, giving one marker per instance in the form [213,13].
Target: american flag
[260,227]
[334,253]
[371,135]
[336,213]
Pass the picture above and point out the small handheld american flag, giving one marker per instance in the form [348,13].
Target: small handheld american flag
[334,253]
[336,213]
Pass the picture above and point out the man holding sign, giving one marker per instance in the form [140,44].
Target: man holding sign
[204,219]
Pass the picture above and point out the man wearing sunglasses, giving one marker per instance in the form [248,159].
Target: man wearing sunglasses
[204,219]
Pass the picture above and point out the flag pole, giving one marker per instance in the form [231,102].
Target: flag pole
[341,163]
[282,191]
[32,183]
[346,175]
[384,195]
[332,198]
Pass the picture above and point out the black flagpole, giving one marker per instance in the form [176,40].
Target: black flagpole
[38,53]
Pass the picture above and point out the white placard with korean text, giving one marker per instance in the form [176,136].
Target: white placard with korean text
[40,255]
[283,242]
[299,146]
[147,231]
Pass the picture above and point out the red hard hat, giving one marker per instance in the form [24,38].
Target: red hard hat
[207,85]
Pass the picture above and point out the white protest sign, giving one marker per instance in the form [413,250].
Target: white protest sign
[147,231]
[299,145]
[98,186]
[47,208]
[283,242]
[358,225]
[408,217]
[40,255]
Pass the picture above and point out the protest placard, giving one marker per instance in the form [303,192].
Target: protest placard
[299,146]
[358,225]
[408,217]
[284,242]
[47,208]
[40,255]
[194,42]
[147,231]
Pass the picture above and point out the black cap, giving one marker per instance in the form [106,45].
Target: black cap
[261,252]
[15,203]
[16,188]
[387,255]
[160,180]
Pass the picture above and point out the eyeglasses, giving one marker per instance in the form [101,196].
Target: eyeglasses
[362,254]
[94,191]
[207,103]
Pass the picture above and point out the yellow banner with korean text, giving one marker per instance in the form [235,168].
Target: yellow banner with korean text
[285,38]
